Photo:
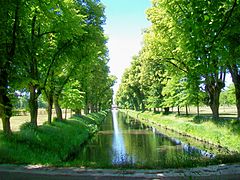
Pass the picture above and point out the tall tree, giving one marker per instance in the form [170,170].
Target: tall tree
[44,45]
[10,14]
[232,37]
[187,40]
[190,41]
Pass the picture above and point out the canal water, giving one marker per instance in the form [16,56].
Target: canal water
[125,142]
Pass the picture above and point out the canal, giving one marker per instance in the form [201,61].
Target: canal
[125,142]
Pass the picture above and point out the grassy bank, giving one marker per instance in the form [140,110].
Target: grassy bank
[220,133]
[49,144]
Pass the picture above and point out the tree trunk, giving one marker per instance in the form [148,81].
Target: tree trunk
[236,80]
[7,59]
[65,114]
[5,103]
[95,108]
[33,105]
[214,103]
[213,88]
[78,112]
[5,109]
[198,111]
[166,110]
[237,90]
[91,108]
[143,106]
[86,110]
[178,110]
[6,126]
[136,105]
[57,108]
[186,110]
[50,105]
[100,107]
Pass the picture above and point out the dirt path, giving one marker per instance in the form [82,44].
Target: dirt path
[12,172]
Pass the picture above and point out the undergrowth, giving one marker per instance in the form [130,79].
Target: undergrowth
[49,144]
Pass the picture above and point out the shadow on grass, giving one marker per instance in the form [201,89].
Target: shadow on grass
[226,120]
[94,118]
[229,122]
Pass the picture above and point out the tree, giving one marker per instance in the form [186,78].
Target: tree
[188,32]
[227,97]
[10,12]
[43,46]
[47,21]
[152,76]
[186,45]
[131,87]
[72,98]
[231,35]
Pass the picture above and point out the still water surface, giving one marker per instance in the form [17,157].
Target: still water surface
[123,141]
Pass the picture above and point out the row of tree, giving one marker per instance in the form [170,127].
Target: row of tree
[56,49]
[187,52]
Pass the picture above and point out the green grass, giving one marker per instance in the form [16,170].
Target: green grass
[49,144]
[224,132]
[18,120]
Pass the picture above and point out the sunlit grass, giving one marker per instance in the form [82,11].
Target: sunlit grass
[49,144]
[17,121]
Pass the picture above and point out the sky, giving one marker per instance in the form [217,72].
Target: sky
[126,20]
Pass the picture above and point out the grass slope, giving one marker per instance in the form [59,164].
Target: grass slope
[49,144]
[222,132]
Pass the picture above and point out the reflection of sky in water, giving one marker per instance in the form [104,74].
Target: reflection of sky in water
[125,141]
[191,149]
[118,146]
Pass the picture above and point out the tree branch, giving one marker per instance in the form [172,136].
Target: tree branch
[175,65]
[180,7]
[224,24]
[14,33]
[65,82]
[59,51]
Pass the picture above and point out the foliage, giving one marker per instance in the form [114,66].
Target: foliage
[31,145]
[227,97]
[71,97]
[185,56]
[44,47]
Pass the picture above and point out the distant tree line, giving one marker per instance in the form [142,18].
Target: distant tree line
[55,50]
[187,52]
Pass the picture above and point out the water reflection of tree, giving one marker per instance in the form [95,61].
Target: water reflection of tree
[151,149]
